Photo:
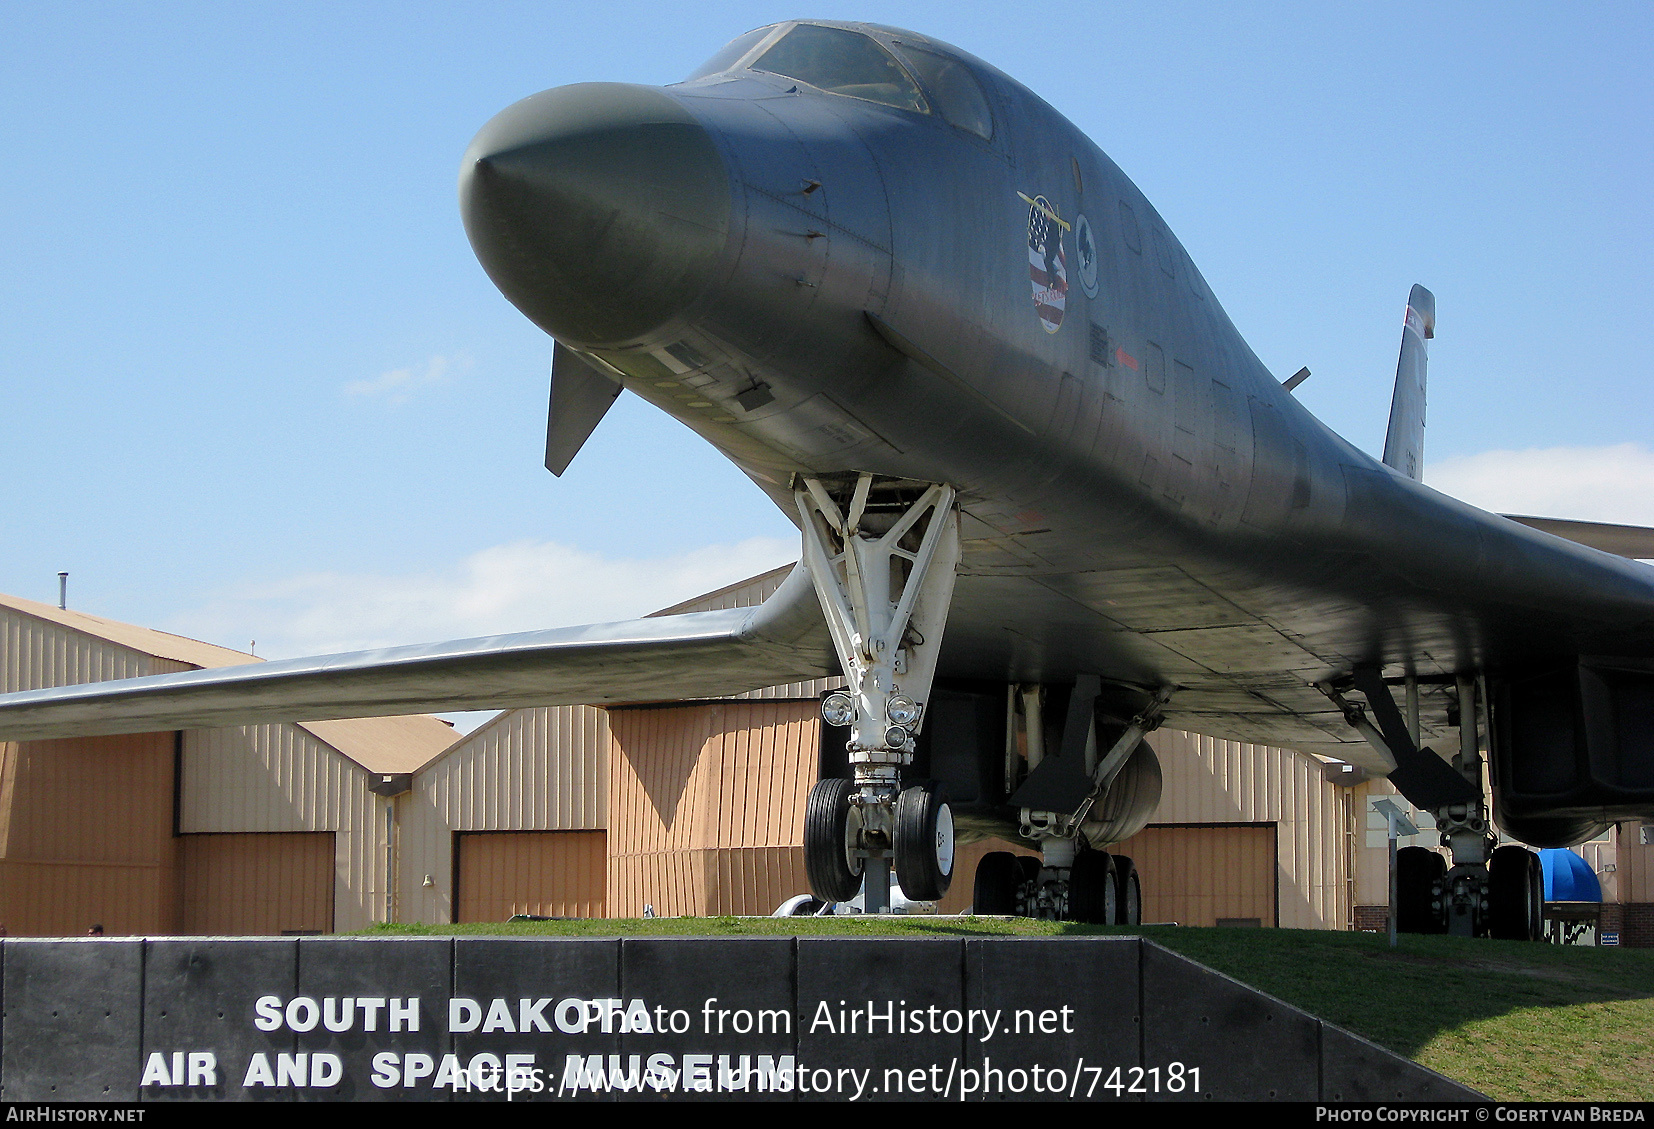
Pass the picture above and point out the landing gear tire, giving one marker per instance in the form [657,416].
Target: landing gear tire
[1128,897]
[924,842]
[833,868]
[1420,873]
[996,890]
[1027,888]
[1516,895]
[1093,889]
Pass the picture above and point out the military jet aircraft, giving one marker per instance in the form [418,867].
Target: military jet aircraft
[1049,499]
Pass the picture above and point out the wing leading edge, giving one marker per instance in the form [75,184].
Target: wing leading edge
[700,654]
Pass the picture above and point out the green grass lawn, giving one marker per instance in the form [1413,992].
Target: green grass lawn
[1515,1021]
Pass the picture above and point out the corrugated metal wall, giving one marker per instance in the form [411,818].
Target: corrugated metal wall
[279,778]
[1204,875]
[1634,864]
[706,806]
[259,884]
[544,873]
[749,594]
[86,836]
[526,770]
[1213,781]
[35,654]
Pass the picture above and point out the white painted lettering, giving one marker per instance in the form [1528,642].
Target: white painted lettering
[326,1069]
[302,1014]
[415,1067]
[464,1015]
[258,1071]
[499,1018]
[156,1071]
[267,1013]
[337,1014]
[405,1011]
[531,1015]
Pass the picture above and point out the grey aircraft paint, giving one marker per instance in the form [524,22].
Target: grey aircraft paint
[938,278]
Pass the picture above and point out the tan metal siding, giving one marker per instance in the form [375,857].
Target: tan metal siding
[1635,865]
[86,835]
[749,594]
[706,806]
[280,778]
[258,884]
[35,655]
[526,770]
[1201,875]
[1213,781]
[544,873]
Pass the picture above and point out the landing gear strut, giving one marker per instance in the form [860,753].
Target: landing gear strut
[1489,890]
[882,555]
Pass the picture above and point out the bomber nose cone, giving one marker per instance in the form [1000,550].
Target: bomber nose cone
[600,210]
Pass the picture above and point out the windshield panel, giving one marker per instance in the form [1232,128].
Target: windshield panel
[842,62]
[730,54]
[952,88]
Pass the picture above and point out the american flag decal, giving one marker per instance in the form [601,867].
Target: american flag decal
[1047,265]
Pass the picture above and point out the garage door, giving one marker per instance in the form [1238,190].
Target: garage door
[544,873]
[1206,874]
[258,884]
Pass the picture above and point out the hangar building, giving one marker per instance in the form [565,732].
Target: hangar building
[691,807]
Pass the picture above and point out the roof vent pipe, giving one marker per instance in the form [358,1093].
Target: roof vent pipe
[63,591]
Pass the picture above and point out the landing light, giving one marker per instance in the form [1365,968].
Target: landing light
[838,708]
[902,710]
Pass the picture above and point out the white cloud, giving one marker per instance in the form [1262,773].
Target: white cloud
[397,385]
[1613,484]
[517,587]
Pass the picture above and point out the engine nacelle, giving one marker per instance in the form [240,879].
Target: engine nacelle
[1130,802]
[1572,750]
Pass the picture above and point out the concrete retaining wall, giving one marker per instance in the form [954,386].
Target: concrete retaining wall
[376,1019]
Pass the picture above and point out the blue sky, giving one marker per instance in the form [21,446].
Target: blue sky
[256,386]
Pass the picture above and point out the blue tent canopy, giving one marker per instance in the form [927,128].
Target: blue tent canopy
[1568,878]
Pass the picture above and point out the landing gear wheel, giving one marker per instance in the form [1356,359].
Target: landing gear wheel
[1028,868]
[1128,892]
[996,887]
[924,842]
[1420,872]
[1516,895]
[829,859]
[1093,890]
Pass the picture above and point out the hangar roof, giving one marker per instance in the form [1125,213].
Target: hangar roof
[381,745]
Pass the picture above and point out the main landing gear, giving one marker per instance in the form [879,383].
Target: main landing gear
[1095,888]
[1489,890]
[1087,795]
[882,554]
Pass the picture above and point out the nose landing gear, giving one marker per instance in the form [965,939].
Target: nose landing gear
[882,555]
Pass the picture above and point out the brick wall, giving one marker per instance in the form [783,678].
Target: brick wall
[1637,925]
[1372,919]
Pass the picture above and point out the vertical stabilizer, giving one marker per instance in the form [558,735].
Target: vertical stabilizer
[1404,441]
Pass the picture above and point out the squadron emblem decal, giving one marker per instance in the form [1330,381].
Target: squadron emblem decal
[1047,265]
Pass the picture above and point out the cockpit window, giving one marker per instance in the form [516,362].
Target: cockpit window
[841,62]
[730,54]
[953,89]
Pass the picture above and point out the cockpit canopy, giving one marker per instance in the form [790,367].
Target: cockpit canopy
[852,64]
